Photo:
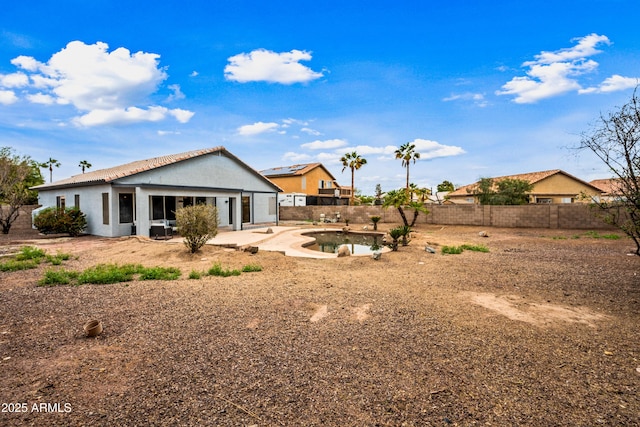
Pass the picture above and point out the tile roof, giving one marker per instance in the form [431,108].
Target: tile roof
[609,186]
[121,171]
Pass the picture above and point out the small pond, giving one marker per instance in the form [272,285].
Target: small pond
[358,243]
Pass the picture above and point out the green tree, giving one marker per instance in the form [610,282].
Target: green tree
[446,186]
[615,140]
[50,164]
[506,191]
[354,162]
[422,194]
[378,194]
[399,199]
[197,224]
[17,174]
[85,165]
[407,153]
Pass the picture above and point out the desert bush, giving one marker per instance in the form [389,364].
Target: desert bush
[53,220]
[194,275]
[30,252]
[452,250]
[57,277]
[160,273]
[197,224]
[251,268]
[15,265]
[217,270]
[109,273]
[475,248]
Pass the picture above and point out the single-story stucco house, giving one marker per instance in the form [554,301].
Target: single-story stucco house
[128,199]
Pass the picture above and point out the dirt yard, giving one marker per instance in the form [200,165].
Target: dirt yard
[543,330]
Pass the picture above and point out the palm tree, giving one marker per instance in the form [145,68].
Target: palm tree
[84,164]
[50,164]
[354,162]
[407,152]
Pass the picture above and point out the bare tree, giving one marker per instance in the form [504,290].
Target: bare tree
[615,139]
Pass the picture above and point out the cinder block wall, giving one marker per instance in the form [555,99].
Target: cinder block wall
[570,216]
[24,219]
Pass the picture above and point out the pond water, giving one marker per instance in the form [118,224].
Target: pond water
[358,243]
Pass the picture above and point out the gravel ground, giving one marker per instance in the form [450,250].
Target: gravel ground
[542,330]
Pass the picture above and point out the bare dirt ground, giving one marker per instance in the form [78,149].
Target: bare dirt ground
[544,330]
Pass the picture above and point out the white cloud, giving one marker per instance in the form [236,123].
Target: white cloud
[431,149]
[324,145]
[183,116]
[613,84]
[292,157]
[7,97]
[268,66]
[364,150]
[477,98]
[310,131]
[586,47]
[257,128]
[41,98]
[13,80]
[555,73]
[122,116]
[108,86]
[177,93]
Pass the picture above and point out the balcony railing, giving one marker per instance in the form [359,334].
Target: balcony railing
[343,191]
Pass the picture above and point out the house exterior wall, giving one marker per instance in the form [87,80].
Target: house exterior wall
[212,176]
[208,171]
[559,187]
[294,184]
[90,205]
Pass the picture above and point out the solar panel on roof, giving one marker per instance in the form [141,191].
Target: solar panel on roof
[284,170]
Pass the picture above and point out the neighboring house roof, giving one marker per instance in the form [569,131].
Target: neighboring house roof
[294,170]
[609,186]
[102,176]
[531,177]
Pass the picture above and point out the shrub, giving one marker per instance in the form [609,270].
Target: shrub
[30,252]
[375,220]
[395,234]
[475,248]
[251,268]
[197,224]
[217,270]
[58,258]
[452,250]
[195,274]
[53,220]
[57,277]
[160,273]
[14,265]
[109,273]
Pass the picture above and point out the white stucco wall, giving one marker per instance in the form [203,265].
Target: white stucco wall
[90,204]
[210,171]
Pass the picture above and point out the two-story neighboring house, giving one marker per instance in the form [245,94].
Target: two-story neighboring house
[311,179]
[552,186]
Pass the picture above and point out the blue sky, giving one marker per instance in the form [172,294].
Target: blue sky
[482,88]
